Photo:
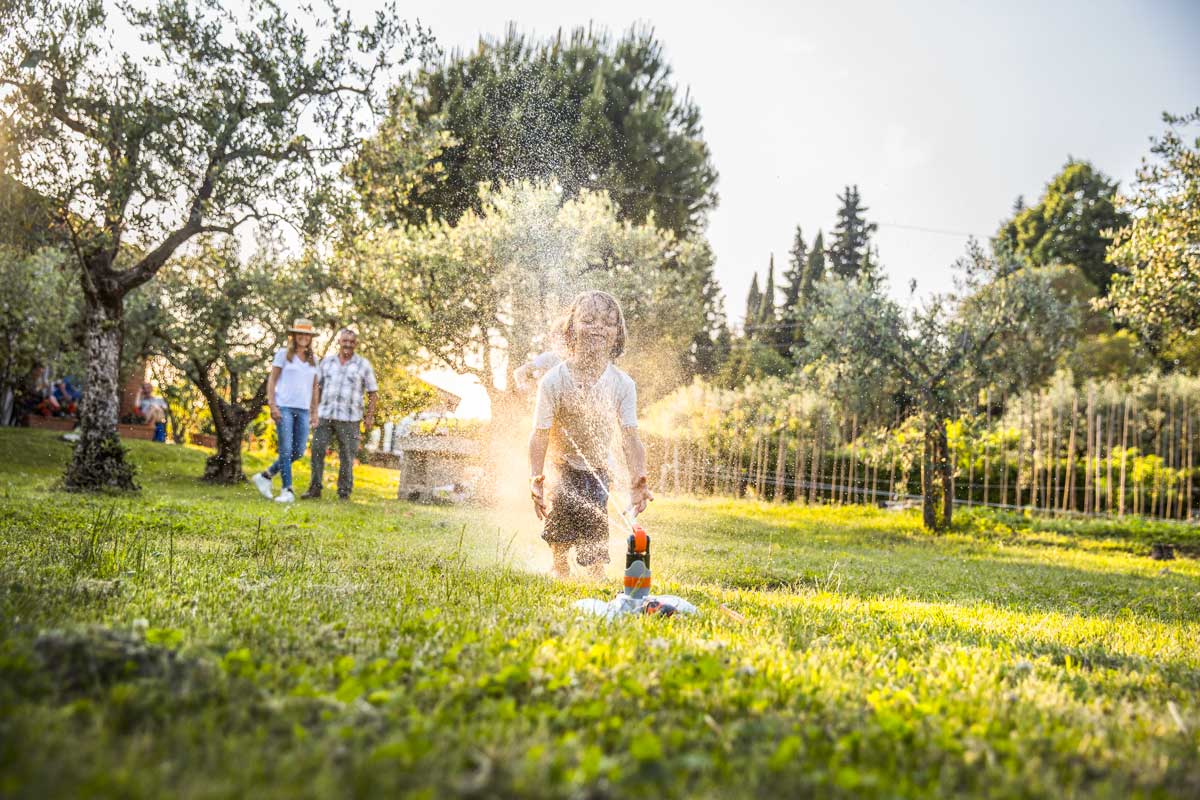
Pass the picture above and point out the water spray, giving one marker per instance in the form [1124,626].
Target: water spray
[637,558]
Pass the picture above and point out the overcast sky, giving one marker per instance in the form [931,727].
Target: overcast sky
[941,112]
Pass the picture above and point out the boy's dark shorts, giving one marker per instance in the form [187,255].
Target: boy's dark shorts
[579,514]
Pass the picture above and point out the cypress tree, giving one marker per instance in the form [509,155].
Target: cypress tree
[753,303]
[814,273]
[851,235]
[766,310]
[793,288]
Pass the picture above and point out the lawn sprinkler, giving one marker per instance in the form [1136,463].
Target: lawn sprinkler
[637,562]
[636,597]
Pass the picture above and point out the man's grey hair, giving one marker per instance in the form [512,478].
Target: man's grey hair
[350,331]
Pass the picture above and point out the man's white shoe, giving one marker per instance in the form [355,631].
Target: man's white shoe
[286,496]
[264,485]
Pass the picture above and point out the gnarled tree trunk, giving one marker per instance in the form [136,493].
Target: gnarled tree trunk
[230,420]
[946,468]
[225,465]
[928,453]
[99,459]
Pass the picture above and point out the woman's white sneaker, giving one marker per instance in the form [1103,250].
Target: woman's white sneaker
[264,485]
[286,496]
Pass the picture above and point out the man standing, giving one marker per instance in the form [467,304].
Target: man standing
[342,378]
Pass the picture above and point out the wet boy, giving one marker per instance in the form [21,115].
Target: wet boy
[582,403]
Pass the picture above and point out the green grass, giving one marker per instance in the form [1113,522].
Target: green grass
[200,642]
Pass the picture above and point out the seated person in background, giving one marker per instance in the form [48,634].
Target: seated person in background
[66,397]
[34,396]
[153,410]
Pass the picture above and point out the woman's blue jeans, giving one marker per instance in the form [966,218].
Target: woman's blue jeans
[293,436]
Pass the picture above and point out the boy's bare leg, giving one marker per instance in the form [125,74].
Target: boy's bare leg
[562,565]
[596,571]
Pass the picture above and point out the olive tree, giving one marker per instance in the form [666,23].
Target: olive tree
[220,318]
[210,118]
[476,295]
[943,352]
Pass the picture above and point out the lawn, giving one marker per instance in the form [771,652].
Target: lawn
[200,642]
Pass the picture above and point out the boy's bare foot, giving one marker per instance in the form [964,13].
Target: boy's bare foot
[561,567]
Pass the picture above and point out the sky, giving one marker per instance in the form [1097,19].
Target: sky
[942,113]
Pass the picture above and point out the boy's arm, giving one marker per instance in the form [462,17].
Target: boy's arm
[539,443]
[635,460]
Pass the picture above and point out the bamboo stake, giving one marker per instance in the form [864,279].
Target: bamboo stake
[1108,479]
[694,475]
[737,471]
[1158,451]
[853,456]
[780,466]
[837,465]
[1190,452]
[1020,452]
[1180,472]
[1035,448]
[874,499]
[987,403]
[816,463]
[892,479]
[798,469]
[1096,465]
[1124,456]
[1056,484]
[1087,460]
[1177,462]
[763,460]
[1003,452]
[970,476]
[1051,465]
[1069,490]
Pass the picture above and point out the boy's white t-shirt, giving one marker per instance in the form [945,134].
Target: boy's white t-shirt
[295,385]
[582,422]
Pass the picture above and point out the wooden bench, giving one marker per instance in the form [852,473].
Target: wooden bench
[125,431]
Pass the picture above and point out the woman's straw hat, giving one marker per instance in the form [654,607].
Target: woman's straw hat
[301,325]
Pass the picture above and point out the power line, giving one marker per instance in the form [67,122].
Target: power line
[924,229]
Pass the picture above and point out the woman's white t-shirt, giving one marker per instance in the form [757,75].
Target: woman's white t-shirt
[295,385]
[584,421]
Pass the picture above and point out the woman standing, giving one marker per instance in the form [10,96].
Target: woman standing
[292,397]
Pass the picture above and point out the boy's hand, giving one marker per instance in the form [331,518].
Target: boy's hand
[537,491]
[640,495]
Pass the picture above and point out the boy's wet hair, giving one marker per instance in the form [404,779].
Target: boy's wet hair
[568,320]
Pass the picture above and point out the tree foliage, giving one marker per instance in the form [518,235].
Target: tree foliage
[1159,249]
[850,249]
[38,302]
[944,352]
[479,296]
[218,118]
[1070,224]
[220,319]
[582,109]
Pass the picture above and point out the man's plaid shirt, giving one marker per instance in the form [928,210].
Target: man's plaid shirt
[342,387]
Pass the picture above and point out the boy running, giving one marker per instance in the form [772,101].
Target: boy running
[581,403]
